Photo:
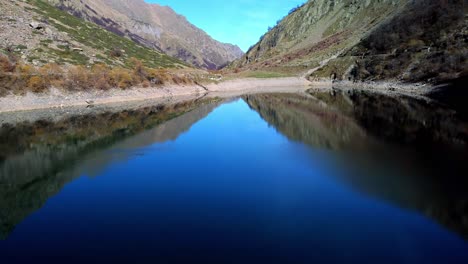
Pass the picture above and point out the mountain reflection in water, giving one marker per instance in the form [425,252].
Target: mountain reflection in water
[40,157]
[240,168]
[422,146]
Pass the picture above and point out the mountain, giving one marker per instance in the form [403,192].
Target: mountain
[39,33]
[404,40]
[154,26]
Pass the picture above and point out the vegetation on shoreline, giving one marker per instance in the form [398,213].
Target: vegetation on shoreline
[69,53]
[18,78]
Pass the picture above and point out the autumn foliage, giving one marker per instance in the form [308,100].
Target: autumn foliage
[18,77]
[7,64]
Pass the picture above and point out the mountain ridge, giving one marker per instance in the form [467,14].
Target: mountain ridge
[37,33]
[155,26]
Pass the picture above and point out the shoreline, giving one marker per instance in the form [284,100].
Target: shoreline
[390,88]
[56,98]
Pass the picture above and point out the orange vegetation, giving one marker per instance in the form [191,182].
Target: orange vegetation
[18,77]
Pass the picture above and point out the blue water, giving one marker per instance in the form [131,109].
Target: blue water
[230,189]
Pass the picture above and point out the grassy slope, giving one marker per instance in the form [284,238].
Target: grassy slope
[90,35]
[315,32]
[379,40]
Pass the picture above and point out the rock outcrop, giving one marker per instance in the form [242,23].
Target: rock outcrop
[36,25]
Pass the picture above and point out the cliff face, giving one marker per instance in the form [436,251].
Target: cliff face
[155,26]
[368,40]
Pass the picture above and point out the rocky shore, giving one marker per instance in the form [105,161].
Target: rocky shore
[59,99]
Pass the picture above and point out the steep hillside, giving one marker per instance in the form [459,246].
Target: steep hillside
[39,33]
[431,47]
[318,30]
[155,26]
[368,40]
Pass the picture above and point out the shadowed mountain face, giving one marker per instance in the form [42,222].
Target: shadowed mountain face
[422,147]
[39,158]
[400,119]
[155,26]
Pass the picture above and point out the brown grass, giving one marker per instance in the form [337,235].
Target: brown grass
[7,64]
[18,78]
[37,84]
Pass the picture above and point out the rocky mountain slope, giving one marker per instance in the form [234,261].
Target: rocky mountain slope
[39,33]
[154,26]
[413,41]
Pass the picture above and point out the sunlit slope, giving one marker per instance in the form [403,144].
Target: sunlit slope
[368,40]
[66,39]
[154,26]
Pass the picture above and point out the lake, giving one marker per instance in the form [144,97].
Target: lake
[340,177]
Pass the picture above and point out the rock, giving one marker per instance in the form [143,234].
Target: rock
[48,31]
[351,73]
[36,25]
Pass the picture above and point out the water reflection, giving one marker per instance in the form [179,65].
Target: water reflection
[295,178]
[421,145]
[40,157]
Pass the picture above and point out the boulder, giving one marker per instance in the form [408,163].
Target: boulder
[36,25]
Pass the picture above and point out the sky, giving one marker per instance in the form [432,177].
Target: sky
[239,22]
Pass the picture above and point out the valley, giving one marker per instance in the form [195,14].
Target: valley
[104,47]
[146,131]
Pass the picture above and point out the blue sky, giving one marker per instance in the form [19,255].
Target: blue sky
[240,22]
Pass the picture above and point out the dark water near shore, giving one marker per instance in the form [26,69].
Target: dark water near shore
[270,178]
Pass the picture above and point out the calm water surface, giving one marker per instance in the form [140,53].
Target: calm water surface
[260,179]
